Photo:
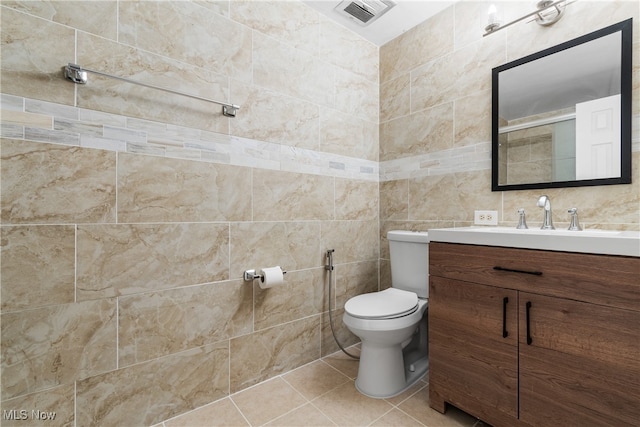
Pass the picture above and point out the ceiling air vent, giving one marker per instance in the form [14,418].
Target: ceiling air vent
[364,12]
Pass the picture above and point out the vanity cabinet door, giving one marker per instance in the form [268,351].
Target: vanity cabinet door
[473,353]
[579,363]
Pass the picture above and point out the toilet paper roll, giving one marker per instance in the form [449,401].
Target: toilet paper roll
[270,277]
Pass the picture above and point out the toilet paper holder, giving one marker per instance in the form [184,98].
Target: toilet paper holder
[250,275]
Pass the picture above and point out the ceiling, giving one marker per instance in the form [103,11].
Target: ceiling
[405,15]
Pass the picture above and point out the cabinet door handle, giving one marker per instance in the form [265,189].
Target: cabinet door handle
[511,270]
[529,340]
[505,333]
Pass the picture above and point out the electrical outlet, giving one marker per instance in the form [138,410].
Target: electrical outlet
[485,218]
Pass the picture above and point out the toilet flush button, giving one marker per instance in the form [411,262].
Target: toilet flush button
[412,368]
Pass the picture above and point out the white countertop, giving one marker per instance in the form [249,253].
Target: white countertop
[586,241]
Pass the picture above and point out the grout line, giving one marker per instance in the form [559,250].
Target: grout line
[238,409]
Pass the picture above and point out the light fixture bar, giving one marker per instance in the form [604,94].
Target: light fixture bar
[493,27]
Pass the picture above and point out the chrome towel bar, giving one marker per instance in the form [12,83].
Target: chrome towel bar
[78,74]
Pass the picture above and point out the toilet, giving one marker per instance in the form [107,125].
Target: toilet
[392,324]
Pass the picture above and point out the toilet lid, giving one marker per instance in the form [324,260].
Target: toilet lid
[386,304]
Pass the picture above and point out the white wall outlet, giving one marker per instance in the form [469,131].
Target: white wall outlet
[485,218]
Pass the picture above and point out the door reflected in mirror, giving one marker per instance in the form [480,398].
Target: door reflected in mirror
[562,116]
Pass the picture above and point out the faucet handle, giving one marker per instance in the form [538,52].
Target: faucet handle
[522,222]
[575,225]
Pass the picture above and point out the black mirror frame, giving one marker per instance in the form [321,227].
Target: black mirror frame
[626,28]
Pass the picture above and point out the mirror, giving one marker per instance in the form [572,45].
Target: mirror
[562,117]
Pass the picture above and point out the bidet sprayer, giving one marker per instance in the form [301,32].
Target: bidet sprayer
[329,266]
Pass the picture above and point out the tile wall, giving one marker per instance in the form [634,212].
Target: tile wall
[129,215]
[435,121]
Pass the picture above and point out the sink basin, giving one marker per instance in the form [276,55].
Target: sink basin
[608,242]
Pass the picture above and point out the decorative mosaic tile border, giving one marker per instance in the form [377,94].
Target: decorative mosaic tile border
[40,121]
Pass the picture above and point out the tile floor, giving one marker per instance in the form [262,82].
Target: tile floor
[322,393]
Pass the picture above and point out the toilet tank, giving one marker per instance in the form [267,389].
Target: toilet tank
[409,252]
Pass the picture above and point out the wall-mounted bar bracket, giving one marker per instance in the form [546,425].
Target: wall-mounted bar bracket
[250,275]
[74,73]
[78,75]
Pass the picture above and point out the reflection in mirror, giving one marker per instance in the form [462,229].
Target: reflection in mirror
[562,117]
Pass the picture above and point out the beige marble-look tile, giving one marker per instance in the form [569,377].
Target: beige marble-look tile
[96,17]
[222,413]
[407,394]
[221,7]
[160,323]
[300,295]
[353,241]
[423,132]
[198,36]
[292,196]
[456,75]
[345,406]
[345,337]
[33,53]
[472,119]
[150,392]
[357,95]
[417,406]
[267,401]
[471,18]
[73,185]
[155,189]
[344,363]
[307,415]
[282,68]
[395,417]
[291,245]
[345,134]
[315,379]
[348,50]
[123,259]
[452,196]
[58,400]
[269,116]
[356,200]
[426,41]
[394,200]
[56,345]
[270,352]
[290,22]
[114,96]
[395,98]
[38,266]
[385,274]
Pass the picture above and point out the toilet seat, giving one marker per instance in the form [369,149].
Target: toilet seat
[388,304]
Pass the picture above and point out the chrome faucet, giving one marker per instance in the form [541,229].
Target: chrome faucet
[545,203]
[575,225]
[522,222]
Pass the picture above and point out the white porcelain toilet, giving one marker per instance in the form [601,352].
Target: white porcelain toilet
[392,324]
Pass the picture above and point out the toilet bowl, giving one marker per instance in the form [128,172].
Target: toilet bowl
[383,370]
[392,324]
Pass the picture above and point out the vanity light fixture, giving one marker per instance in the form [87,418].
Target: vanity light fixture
[549,12]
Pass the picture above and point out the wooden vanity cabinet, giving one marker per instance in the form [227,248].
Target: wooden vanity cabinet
[472,363]
[534,338]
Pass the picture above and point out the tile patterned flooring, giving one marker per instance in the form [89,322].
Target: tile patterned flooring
[322,393]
